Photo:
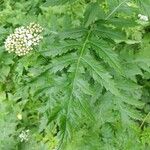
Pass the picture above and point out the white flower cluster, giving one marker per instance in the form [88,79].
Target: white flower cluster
[23,39]
[142,17]
[24,136]
[19,116]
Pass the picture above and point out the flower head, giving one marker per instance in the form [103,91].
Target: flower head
[143,18]
[24,39]
[19,116]
[24,136]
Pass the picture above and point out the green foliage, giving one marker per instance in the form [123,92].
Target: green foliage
[86,87]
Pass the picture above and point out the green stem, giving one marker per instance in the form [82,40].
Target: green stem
[144,120]
[115,9]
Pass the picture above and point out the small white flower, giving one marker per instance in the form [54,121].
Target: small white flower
[24,136]
[29,43]
[143,18]
[29,36]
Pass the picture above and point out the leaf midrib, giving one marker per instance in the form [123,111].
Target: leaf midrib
[73,85]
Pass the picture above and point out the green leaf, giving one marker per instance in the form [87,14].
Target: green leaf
[59,64]
[100,74]
[4,72]
[110,33]
[2,96]
[92,13]
[107,54]
[57,2]
[61,48]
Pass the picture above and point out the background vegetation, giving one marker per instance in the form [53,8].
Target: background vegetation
[87,86]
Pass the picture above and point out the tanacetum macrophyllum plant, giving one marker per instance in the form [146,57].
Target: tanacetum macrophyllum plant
[83,79]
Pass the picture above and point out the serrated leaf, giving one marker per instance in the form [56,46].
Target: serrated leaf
[107,55]
[92,13]
[57,2]
[61,63]
[101,75]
